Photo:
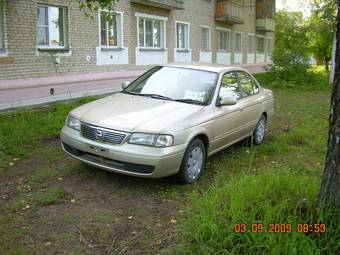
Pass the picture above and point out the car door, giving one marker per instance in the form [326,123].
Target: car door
[250,103]
[226,118]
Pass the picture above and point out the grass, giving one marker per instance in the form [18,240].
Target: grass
[277,182]
[22,132]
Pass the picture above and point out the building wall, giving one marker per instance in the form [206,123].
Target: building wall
[22,59]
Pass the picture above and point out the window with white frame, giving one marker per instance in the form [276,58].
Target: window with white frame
[223,40]
[151,33]
[238,42]
[2,34]
[111,29]
[269,46]
[205,38]
[260,45]
[252,7]
[51,26]
[182,35]
[250,43]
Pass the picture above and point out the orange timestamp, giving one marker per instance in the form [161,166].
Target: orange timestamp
[280,228]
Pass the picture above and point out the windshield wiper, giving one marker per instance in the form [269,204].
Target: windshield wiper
[190,101]
[130,93]
[156,96]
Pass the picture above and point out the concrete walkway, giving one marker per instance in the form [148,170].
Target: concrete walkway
[21,93]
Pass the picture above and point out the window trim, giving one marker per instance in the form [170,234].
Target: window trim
[65,47]
[120,44]
[209,41]
[2,28]
[163,21]
[188,36]
[271,44]
[253,44]
[241,49]
[222,29]
[264,48]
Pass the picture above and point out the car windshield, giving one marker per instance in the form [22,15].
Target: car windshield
[174,83]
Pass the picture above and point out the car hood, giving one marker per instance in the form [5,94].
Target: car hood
[137,113]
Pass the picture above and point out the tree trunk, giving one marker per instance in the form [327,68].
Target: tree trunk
[326,64]
[329,196]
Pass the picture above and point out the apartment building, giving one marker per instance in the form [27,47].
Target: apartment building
[53,38]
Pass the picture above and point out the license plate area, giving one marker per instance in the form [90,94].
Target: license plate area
[97,150]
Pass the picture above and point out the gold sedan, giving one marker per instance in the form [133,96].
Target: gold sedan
[169,121]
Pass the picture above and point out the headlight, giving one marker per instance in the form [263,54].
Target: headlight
[72,122]
[151,139]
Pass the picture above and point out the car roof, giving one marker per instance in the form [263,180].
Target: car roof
[208,67]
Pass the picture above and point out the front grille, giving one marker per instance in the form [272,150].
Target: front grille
[101,134]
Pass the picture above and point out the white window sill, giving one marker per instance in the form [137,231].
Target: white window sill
[56,49]
[205,50]
[111,48]
[152,49]
[180,50]
[223,51]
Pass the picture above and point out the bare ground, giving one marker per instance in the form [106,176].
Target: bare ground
[100,212]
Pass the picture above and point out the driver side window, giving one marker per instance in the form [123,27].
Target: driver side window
[229,86]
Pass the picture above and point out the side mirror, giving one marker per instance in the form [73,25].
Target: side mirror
[125,84]
[228,100]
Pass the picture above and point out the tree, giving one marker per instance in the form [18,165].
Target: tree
[329,196]
[321,27]
[290,44]
[90,6]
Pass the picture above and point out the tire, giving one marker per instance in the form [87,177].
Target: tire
[192,165]
[260,130]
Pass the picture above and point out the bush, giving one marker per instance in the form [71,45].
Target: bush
[296,77]
[266,198]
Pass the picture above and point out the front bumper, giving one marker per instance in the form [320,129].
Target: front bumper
[129,159]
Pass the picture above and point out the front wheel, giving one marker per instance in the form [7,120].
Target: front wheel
[193,162]
[260,130]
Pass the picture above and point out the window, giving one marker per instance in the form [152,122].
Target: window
[248,84]
[110,29]
[252,7]
[205,37]
[151,33]
[229,86]
[260,45]
[182,35]
[269,46]
[223,40]
[250,44]
[51,26]
[176,83]
[238,42]
[2,34]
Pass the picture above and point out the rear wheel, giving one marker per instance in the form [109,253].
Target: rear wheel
[260,130]
[193,162]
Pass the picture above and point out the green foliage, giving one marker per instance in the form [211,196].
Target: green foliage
[313,78]
[321,29]
[91,6]
[290,46]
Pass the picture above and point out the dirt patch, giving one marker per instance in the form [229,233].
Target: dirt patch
[103,213]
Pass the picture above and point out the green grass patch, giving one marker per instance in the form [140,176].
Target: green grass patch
[22,132]
[271,197]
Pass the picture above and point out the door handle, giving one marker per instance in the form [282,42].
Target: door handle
[242,108]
